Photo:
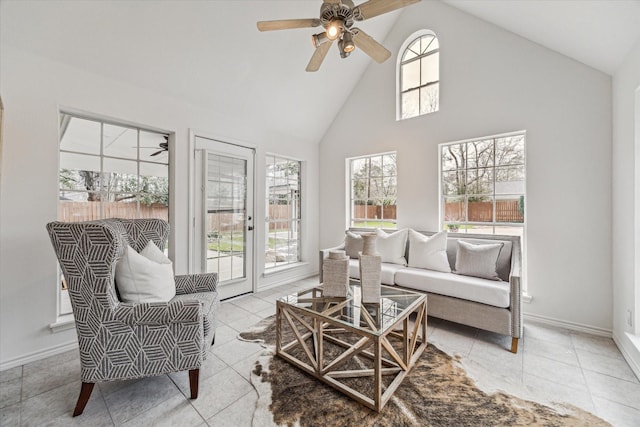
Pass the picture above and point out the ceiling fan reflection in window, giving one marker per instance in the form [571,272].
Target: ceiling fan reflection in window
[337,18]
[163,146]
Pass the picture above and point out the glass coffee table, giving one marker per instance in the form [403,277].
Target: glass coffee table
[363,350]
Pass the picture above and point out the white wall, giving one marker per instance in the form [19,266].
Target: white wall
[33,89]
[493,81]
[626,201]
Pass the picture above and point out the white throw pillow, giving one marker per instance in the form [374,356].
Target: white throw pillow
[353,244]
[429,252]
[478,260]
[146,276]
[392,246]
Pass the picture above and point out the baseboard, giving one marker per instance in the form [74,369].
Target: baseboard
[634,362]
[287,280]
[579,327]
[38,355]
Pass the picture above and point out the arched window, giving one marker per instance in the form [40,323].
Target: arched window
[418,75]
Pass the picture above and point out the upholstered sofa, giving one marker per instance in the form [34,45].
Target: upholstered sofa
[492,305]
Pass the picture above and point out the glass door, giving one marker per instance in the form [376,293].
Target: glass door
[227,215]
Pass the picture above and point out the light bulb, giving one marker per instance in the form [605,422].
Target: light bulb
[334,29]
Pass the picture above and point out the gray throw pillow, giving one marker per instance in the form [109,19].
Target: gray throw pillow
[478,260]
[353,244]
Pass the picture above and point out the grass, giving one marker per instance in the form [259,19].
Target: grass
[374,224]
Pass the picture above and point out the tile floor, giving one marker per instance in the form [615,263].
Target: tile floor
[552,365]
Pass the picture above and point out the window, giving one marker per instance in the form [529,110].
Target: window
[419,75]
[482,184]
[283,212]
[373,193]
[110,170]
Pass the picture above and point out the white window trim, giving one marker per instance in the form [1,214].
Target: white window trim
[267,271]
[348,160]
[403,47]
[526,297]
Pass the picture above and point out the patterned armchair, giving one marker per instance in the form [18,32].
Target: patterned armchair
[119,340]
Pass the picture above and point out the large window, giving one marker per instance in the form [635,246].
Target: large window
[374,182]
[283,213]
[419,75]
[110,170]
[482,184]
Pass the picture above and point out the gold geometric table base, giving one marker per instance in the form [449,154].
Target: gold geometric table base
[367,351]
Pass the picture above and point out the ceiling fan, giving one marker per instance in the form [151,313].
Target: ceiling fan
[163,146]
[337,18]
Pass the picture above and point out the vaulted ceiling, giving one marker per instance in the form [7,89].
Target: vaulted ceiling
[210,54]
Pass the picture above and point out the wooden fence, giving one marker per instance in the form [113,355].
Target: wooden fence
[89,211]
[375,212]
[506,211]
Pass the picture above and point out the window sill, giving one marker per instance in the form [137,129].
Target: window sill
[280,269]
[63,323]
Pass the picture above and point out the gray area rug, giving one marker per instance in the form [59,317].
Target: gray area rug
[437,392]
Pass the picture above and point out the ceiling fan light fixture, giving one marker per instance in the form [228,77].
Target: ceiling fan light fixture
[347,42]
[334,29]
[319,39]
[341,47]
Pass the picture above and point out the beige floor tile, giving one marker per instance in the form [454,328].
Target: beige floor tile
[55,408]
[252,304]
[10,374]
[552,350]
[10,392]
[552,370]
[238,414]
[546,333]
[51,373]
[612,366]
[613,389]
[224,334]
[245,322]
[131,401]
[229,313]
[220,391]
[617,414]
[176,411]
[211,366]
[234,351]
[551,392]
[10,415]
[596,344]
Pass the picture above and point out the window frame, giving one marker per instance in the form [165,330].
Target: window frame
[494,223]
[351,220]
[399,64]
[273,266]
[63,308]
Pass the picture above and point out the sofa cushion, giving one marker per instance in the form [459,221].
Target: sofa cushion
[503,266]
[484,291]
[478,260]
[392,246]
[353,244]
[428,252]
[387,273]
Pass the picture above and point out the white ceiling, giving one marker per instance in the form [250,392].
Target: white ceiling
[599,33]
[210,53]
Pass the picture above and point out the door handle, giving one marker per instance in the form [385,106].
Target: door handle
[250,228]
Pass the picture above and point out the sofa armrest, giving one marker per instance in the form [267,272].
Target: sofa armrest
[193,283]
[515,284]
[159,313]
[324,253]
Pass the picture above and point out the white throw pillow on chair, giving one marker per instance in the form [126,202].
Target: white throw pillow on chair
[146,276]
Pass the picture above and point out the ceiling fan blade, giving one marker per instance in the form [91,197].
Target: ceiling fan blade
[287,24]
[369,46]
[318,56]
[157,152]
[374,8]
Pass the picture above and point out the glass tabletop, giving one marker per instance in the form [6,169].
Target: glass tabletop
[372,317]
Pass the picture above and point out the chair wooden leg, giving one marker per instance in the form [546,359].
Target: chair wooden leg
[85,393]
[514,345]
[194,375]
